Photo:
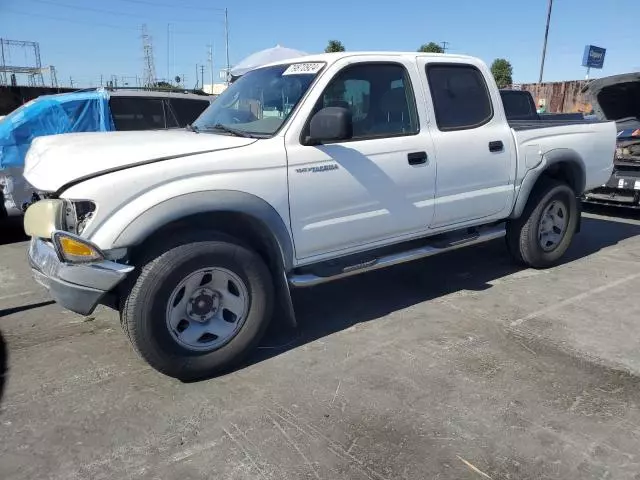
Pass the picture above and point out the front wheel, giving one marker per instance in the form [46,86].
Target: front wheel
[542,235]
[198,308]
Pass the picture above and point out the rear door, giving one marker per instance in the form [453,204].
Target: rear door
[474,143]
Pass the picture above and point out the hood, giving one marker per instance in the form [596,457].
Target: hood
[616,98]
[57,160]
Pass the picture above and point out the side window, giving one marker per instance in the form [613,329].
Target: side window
[379,97]
[460,96]
[137,113]
[186,111]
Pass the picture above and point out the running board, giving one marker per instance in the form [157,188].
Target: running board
[310,279]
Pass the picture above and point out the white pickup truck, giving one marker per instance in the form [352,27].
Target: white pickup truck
[301,172]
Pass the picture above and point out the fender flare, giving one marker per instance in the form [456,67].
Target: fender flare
[189,204]
[548,160]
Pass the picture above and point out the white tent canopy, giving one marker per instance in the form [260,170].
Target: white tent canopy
[263,57]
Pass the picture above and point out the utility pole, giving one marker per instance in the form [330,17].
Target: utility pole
[202,76]
[211,64]
[444,46]
[71,81]
[168,55]
[197,78]
[546,36]
[226,35]
[4,73]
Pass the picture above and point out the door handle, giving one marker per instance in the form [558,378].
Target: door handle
[496,146]
[417,158]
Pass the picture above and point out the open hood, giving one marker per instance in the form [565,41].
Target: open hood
[57,160]
[617,98]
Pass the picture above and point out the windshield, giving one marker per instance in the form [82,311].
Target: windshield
[260,101]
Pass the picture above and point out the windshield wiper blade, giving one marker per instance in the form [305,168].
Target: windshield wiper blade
[232,131]
[192,128]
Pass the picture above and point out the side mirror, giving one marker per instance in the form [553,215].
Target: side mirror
[329,125]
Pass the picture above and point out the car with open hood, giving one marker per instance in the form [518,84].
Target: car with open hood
[617,98]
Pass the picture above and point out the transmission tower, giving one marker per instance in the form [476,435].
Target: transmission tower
[32,69]
[149,73]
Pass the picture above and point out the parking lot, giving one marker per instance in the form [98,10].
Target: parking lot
[459,366]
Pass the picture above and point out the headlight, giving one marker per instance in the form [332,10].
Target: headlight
[43,218]
[74,249]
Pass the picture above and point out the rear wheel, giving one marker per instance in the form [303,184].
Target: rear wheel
[199,308]
[542,235]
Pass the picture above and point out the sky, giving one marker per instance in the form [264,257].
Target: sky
[87,39]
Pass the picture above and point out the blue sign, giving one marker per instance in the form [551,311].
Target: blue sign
[593,56]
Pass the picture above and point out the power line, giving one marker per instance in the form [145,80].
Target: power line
[51,17]
[110,12]
[154,4]
[85,22]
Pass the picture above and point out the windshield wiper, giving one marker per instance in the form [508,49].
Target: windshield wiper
[232,131]
[192,128]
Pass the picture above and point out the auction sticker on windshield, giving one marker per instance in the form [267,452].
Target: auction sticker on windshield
[303,68]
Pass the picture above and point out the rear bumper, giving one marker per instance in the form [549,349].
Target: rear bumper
[77,287]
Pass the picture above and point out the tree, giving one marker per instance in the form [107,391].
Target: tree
[164,84]
[334,46]
[431,47]
[502,72]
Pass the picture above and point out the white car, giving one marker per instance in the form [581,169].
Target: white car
[301,172]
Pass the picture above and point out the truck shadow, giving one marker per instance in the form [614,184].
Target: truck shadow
[330,308]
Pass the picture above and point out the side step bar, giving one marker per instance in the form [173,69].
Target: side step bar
[309,279]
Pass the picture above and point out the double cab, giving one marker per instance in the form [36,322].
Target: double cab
[302,172]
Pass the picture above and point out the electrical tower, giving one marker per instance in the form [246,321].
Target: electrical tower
[10,49]
[444,46]
[149,73]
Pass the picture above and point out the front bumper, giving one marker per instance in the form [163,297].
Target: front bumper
[622,189]
[77,287]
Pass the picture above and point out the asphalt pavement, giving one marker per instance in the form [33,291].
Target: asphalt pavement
[461,366]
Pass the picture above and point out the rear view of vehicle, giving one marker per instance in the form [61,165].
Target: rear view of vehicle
[618,98]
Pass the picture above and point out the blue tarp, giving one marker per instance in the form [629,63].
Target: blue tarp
[51,115]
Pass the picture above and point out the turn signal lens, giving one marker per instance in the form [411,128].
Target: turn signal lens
[76,250]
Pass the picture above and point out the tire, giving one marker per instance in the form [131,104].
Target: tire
[523,234]
[147,315]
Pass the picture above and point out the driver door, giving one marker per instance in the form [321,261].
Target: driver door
[376,186]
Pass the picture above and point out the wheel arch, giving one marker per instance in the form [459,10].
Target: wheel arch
[565,165]
[242,216]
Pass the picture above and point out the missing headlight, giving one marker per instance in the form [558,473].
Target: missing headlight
[77,215]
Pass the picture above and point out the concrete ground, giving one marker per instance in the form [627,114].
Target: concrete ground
[456,367]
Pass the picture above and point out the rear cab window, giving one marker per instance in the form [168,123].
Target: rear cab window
[460,96]
[518,105]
